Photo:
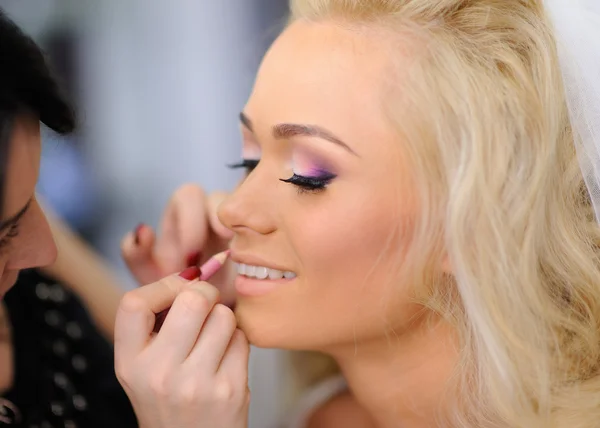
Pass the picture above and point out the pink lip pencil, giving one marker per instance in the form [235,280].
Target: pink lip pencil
[204,273]
[213,265]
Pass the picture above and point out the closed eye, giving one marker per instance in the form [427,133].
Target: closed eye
[248,164]
[309,184]
[12,232]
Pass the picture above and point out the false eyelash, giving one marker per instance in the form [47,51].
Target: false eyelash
[247,164]
[304,184]
[13,231]
[309,184]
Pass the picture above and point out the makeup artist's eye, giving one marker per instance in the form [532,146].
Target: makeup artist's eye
[309,184]
[13,231]
[247,164]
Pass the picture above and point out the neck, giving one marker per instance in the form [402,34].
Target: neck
[401,381]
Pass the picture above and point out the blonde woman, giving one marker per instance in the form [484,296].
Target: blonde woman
[414,209]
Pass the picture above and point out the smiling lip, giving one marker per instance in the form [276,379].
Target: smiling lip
[254,287]
[255,261]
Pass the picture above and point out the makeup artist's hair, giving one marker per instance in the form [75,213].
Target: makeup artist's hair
[26,87]
[479,104]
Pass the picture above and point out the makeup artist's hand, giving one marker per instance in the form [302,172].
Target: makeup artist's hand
[189,234]
[194,372]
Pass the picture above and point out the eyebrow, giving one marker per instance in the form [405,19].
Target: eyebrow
[14,219]
[289,130]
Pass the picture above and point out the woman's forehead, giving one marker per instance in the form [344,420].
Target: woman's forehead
[322,74]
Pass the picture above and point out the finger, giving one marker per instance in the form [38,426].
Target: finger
[137,313]
[214,339]
[234,364]
[186,317]
[192,226]
[183,228]
[136,249]
[214,200]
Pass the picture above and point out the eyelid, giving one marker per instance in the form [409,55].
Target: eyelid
[251,150]
[12,231]
[248,138]
[245,131]
[10,228]
[319,173]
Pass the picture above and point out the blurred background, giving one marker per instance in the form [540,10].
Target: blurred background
[158,86]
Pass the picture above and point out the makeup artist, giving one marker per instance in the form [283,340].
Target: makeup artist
[56,361]
[56,364]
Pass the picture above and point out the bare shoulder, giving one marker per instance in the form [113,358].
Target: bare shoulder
[340,411]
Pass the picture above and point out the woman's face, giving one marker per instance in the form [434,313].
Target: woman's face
[315,119]
[25,239]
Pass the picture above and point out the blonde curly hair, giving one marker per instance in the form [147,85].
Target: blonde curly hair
[482,112]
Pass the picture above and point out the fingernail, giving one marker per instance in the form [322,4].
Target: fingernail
[193,259]
[136,233]
[190,273]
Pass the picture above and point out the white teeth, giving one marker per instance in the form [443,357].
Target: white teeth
[275,274]
[261,272]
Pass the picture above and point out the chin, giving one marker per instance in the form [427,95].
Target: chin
[255,329]
[260,329]
[268,328]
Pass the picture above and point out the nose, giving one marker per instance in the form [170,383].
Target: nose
[34,246]
[251,206]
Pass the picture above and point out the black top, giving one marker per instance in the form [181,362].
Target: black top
[64,368]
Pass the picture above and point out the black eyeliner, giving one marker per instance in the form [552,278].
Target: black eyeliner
[309,183]
[249,164]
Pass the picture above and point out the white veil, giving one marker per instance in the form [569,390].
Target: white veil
[577,32]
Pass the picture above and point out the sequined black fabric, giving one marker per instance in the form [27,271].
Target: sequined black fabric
[64,370]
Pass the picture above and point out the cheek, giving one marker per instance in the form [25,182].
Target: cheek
[345,236]
[348,249]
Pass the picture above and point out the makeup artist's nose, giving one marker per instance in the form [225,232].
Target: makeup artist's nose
[249,207]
